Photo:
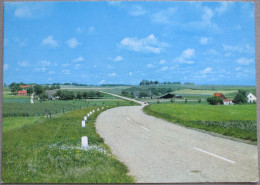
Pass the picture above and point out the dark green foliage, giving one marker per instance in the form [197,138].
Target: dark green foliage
[214,100]
[38,89]
[30,90]
[143,94]
[43,96]
[67,95]
[240,98]
[199,100]
[14,87]
[79,95]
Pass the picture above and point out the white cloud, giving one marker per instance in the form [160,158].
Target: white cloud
[163,17]
[208,14]
[118,58]
[206,70]
[238,69]
[6,67]
[80,30]
[204,40]
[40,69]
[148,44]
[23,12]
[50,41]
[77,66]
[91,29]
[45,63]
[130,73]
[150,65]
[23,63]
[79,59]
[51,72]
[72,43]
[66,71]
[137,10]
[245,61]
[186,56]
[223,7]
[112,74]
[102,82]
[165,68]
[237,48]
[162,62]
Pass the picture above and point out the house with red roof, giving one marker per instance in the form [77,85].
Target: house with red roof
[24,86]
[22,93]
[225,100]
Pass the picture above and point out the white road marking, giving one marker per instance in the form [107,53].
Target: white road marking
[217,156]
[145,128]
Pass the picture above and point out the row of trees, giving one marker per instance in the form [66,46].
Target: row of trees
[156,82]
[70,95]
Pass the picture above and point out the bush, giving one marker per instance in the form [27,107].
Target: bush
[43,96]
[240,98]
[199,100]
[214,100]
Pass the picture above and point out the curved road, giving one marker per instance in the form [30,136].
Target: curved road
[158,151]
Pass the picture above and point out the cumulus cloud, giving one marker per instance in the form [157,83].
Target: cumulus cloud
[79,59]
[137,10]
[148,44]
[238,48]
[112,74]
[204,40]
[23,63]
[50,41]
[72,43]
[91,29]
[45,63]
[102,82]
[66,71]
[150,65]
[23,12]
[223,7]
[162,62]
[118,58]
[164,16]
[206,70]
[6,67]
[245,61]
[130,73]
[186,56]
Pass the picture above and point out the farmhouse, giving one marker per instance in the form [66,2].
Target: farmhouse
[220,95]
[250,98]
[228,102]
[24,86]
[167,96]
[22,93]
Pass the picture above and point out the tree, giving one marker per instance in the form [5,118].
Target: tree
[239,99]
[214,100]
[199,100]
[124,92]
[143,94]
[43,96]
[38,89]
[85,95]
[99,94]
[92,94]
[79,96]
[58,93]
[30,90]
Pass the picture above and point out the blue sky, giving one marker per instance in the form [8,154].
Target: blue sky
[125,42]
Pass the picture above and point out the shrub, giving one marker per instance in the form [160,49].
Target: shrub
[214,100]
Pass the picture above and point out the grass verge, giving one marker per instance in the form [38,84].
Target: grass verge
[237,121]
[49,151]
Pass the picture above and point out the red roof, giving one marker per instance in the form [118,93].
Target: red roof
[217,94]
[24,86]
[227,100]
[21,92]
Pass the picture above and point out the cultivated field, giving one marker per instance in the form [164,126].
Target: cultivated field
[237,120]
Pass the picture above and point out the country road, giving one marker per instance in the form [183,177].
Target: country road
[158,151]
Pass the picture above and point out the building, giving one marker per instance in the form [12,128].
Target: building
[250,98]
[22,93]
[50,94]
[167,96]
[220,95]
[178,96]
[24,86]
[227,102]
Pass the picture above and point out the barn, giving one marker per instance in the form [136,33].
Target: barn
[167,96]
[220,95]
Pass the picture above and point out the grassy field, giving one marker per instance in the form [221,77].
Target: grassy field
[41,150]
[22,107]
[237,121]
[203,92]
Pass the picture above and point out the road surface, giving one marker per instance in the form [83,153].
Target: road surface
[158,151]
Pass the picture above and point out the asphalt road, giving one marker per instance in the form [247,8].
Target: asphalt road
[158,151]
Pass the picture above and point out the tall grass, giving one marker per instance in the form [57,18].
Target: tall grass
[49,151]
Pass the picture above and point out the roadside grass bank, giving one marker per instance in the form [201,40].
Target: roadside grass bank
[237,121]
[49,151]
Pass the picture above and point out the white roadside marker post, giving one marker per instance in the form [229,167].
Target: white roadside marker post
[83,123]
[88,115]
[93,111]
[98,109]
[85,118]
[84,142]
[102,107]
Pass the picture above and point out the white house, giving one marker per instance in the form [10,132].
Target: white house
[250,98]
[227,102]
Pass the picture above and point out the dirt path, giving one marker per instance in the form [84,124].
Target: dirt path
[158,151]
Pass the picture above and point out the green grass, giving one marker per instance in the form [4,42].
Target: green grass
[237,120]
[48,151]
[22,107]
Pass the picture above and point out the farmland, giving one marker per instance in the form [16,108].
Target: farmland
[237,121]
[37,149]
